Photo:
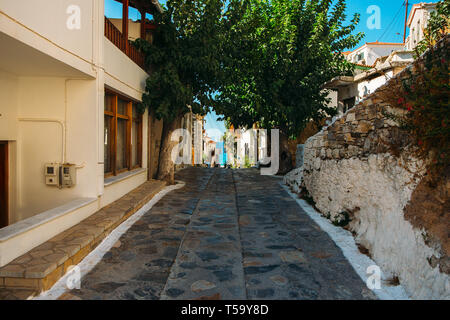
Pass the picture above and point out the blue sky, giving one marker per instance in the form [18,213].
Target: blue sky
[392,14]
[392,19]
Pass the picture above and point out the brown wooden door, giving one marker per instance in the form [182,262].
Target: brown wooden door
[4,216]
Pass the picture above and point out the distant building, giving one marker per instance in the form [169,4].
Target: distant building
[374,63]
[352,89]
[221,156]
[368,53]
[209,150]
[73,139]
[417,22]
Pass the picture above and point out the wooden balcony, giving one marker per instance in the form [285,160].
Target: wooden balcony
[116,37]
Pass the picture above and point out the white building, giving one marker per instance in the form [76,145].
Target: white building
[368,53]
[70,83]
[417,22]
[352,89]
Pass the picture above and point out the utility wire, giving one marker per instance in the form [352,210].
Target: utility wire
[392,21]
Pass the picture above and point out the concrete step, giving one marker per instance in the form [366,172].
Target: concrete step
[40,268]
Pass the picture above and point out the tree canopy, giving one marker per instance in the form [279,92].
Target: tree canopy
[277,56]
[253,61]
[184,57]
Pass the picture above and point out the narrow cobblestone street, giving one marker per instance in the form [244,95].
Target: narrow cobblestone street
[228,234]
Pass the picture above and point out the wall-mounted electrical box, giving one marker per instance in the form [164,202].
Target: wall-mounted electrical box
[52,174]
[60,175]
[68,175]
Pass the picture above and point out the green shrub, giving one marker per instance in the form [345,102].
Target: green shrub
[423,98]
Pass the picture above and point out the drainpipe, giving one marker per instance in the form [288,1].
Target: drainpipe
[63,131]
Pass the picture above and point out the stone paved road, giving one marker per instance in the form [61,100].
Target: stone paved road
[228,234]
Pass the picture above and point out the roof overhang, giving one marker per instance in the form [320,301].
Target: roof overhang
[416,7]
[338,82]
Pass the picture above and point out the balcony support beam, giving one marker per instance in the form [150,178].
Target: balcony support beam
[143,21]
[125,5]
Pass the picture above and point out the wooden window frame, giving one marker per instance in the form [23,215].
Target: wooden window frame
[5,219]
[128,117]
[139,121]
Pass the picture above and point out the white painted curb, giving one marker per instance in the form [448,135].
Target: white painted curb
[95,256]
[345,241]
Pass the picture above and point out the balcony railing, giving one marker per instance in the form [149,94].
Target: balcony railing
[116,37]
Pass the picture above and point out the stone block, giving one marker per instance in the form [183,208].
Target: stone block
[347,128]
[40,271]
[21,283]
[372,113]
[300,153]
[70,250]
[336,153]
[66,265]
[367,145]
[361,115]
[57,257]
[353,151]
[348,137]
[331,136]
[378,123]
[355,135]
[81,254]
[50,280]
[367,102]
[350,117]
[12,270]
[364,127]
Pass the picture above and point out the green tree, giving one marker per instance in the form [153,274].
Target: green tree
[277,56]
[184,60]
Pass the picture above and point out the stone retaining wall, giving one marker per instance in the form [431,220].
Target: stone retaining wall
[359,181]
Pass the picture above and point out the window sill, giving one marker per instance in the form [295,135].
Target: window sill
[123,176]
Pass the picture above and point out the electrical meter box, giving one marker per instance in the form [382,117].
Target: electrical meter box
[51,174]
[68,175]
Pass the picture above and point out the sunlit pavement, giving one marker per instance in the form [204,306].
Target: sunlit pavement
[228,234]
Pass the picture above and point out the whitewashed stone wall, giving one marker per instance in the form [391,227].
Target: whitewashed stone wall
[373,192]
[356,182]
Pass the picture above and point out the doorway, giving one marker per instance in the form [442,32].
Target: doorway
[4,214]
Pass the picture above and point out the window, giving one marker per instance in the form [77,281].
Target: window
[418,31]
[122,135]
[360,56]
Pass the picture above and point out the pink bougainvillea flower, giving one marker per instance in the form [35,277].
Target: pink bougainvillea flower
[400,100]
[420,142]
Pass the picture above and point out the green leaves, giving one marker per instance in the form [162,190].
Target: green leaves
[279,54]
[253,61]
[437,27]
[185,57]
